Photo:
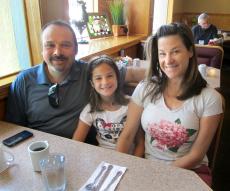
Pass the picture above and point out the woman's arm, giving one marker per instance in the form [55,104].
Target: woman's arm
[81,131]
[131,126]
[208,127]
[139,149]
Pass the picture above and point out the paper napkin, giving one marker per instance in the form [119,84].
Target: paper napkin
[108,176]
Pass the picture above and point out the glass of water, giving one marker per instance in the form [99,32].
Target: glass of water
[53,172]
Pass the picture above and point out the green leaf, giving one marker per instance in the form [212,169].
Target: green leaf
[152,139]
[116,10]
[174,149]
[178,121]
[191,132]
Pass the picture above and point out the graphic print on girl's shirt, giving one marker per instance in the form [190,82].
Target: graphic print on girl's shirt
[109,131]
[167,135]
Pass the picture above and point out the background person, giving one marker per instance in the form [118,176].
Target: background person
[107,109]
[204,31]
[50,96]
[177,110]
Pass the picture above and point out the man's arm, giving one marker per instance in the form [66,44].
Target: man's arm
[15,111]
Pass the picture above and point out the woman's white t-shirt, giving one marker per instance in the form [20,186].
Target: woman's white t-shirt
[169,134]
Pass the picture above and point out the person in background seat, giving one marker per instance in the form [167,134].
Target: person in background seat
[204,31]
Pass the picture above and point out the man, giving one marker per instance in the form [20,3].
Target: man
[204,31]
[50,96]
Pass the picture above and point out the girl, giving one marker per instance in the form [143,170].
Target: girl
[107,108]
[177,110]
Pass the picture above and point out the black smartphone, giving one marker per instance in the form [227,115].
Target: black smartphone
[17,138]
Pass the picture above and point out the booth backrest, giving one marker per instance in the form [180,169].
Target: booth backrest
[210,55]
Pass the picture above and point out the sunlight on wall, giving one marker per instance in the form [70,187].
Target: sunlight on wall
[8,52]
[160,14]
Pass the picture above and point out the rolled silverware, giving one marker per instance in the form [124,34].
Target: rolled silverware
[119,173]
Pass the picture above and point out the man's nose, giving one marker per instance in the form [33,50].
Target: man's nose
[57,50]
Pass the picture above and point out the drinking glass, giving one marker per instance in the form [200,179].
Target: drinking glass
[53,172]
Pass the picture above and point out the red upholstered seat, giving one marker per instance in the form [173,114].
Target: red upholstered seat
[210,55]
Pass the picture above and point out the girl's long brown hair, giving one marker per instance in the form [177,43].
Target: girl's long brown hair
[95,98]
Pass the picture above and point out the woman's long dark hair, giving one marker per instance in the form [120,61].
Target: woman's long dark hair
[95,98]
[192,84]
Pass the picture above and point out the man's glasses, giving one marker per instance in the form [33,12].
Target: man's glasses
[53,96]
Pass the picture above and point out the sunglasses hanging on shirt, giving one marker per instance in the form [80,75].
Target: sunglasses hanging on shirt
[53,96]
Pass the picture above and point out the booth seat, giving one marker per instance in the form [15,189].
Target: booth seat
[210,55]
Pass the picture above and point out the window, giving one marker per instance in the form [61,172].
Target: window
[91,5]
[14,49]
[77,18]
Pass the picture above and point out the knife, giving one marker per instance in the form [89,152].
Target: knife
[103,178]
[119,173]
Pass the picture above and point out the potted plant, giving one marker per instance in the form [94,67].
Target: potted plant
[116,8]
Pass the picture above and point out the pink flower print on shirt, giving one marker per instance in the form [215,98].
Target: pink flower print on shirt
[169,135]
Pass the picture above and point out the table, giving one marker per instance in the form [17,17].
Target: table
[82,159]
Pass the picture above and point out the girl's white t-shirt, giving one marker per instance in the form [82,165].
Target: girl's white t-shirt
[108,124]
[170,134]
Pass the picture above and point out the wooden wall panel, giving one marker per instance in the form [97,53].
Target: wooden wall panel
[2,108]
[140,15]
[221,21]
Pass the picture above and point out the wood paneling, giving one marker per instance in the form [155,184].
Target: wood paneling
[139,15]
[54,9]
[2,109]
[221,21]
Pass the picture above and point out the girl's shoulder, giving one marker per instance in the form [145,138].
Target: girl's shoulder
[144,86]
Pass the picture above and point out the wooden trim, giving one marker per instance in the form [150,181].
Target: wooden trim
[170,11]
[33,20]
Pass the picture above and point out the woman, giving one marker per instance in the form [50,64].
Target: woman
[177,110]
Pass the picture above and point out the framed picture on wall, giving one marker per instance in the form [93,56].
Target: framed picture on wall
[98,26]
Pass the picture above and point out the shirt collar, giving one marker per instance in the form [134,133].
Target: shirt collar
[42,77]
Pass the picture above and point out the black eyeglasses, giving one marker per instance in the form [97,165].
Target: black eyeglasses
[53,96]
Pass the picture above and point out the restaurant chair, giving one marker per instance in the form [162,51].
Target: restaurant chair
[214,147]
[210,55]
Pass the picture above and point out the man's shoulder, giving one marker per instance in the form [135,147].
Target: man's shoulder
[30,72]
[195,27]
